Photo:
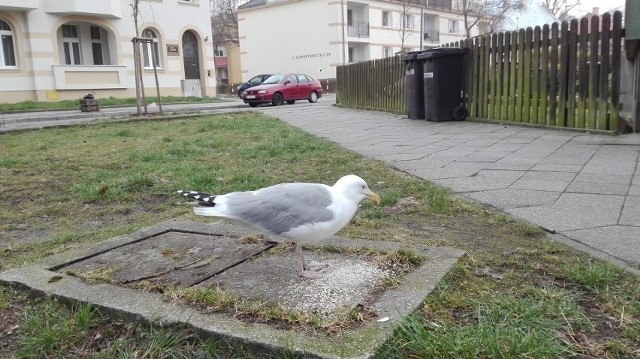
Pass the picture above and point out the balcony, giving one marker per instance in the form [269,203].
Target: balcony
[439,4]
[104,9]
[358,29]
[431,35]
[220,61]
[19,5]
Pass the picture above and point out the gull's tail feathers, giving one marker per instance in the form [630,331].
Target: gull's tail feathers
[204,199]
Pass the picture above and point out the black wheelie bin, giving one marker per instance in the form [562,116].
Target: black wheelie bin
[443,76]
[413,85]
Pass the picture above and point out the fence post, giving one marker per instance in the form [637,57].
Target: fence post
[535,75]
[583,53]
[615,70]
[544,74]
[571,74]
[603,92]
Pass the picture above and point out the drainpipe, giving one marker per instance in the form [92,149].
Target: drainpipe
[421,24]
[344,44]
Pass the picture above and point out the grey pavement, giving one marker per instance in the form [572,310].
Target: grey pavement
[584,189]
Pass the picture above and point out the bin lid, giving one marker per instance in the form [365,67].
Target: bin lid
[411,56]
[443,51]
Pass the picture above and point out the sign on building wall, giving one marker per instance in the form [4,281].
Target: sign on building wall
[173,50]
[310,56]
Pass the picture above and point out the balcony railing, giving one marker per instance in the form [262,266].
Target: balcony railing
[431,35]
[439,4]
[358,28]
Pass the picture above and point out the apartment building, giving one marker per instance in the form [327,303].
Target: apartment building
[64,49]
[316,36]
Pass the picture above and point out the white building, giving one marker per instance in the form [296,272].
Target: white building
[316,36]
[64,49]
[529,13]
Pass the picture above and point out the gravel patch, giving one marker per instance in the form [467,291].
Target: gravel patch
[345,283]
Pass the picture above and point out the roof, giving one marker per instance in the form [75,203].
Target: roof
[530,14]
[252,3]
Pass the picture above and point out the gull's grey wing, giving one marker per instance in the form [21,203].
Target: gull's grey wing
[282,207]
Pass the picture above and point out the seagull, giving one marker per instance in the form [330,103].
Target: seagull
[296,211]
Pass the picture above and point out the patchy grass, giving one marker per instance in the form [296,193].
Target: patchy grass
[104,102]
[514,294]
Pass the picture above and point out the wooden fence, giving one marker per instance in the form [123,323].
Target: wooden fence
[376,84]
[564,75]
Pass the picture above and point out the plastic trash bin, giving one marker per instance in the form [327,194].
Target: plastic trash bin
[443,68]
[413,85]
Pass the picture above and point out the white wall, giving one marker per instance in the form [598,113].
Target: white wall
[37,44]
[309,36]
[294,37]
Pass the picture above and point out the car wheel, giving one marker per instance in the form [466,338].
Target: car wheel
[313,97]
[253,104]
[240,93]
[291,102]
[277,99]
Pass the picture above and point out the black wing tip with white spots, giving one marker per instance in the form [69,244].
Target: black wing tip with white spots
[203,199]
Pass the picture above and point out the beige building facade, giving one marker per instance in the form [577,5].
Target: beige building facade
[316,36]
[64,49]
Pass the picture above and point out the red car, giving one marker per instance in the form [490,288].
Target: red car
[280,88]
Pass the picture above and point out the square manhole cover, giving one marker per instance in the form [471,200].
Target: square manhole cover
[196,256]
[173,257]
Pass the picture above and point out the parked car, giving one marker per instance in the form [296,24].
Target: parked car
[280,88]
[254,81]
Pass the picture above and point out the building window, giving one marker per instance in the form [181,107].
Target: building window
[219,52]
[453,26]
[7,50]
[96,45]
[222,75]
[386,19]
[407,21]
[151,49]
[387,52]
[84,43]
[70,45]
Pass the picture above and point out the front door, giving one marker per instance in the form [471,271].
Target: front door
[190,56]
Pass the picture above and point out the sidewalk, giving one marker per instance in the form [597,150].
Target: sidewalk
[584,189]
[41,119]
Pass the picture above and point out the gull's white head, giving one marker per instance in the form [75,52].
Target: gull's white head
[356,189]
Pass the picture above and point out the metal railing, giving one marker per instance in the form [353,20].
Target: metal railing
[431,35]
[358,28]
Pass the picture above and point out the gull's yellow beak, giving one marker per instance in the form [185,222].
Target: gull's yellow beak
[374,198]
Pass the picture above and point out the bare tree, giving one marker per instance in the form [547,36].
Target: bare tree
[407,20]
[224,21]
[140,98]
[560,8]
[490,12]
[497,13]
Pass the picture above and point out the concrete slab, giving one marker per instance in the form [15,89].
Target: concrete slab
[574,211]
[250,272]
[618,241]
[513,198]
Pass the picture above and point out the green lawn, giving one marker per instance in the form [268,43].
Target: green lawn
[104,102]
[514,294]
